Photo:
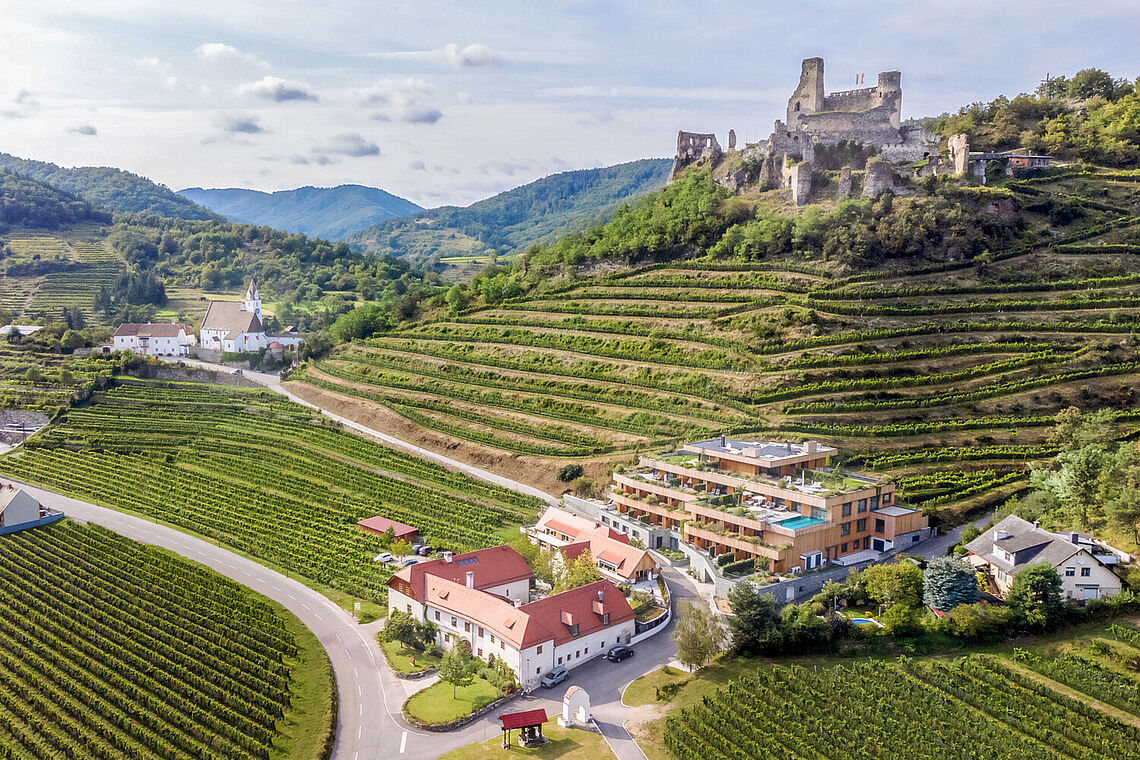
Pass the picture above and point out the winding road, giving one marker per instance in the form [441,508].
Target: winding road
[370,697]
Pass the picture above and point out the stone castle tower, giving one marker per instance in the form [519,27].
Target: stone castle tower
[872,115]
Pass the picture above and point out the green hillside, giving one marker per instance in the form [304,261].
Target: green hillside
[332,213]
[108,188]
[538,212]
[29,203]
[932,337]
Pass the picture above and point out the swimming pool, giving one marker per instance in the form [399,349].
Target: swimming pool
[800,521]
[863,621]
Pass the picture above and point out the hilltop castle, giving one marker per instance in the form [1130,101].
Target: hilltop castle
[870,117]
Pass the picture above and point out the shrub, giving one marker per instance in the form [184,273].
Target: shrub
[570,472]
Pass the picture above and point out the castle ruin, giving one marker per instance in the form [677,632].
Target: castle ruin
[870,117]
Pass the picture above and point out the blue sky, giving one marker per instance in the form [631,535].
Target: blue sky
[449,102]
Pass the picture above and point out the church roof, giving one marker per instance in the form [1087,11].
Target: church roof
[229,316]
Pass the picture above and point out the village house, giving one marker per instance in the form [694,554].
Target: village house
[778,501]
[1013,544]
[236,327]
[20,510]
[154,339]
[379,526]
[610,550]
[481,600]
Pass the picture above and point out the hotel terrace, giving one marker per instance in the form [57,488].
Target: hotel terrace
[766,499]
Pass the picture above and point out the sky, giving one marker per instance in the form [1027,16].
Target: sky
[448,102]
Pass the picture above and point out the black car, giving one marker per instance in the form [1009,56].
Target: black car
[617,654]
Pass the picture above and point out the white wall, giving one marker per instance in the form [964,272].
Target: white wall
[513,591]
[585,648]
[1107,582]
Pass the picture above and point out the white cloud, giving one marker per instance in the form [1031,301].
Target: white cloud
[84,129]
[155,65]
[241,124]
[420,115]
[410,99]
[19,107]
[417,166]
[656,93]
[349,144]
[277,89]
[453,55]
[219,52]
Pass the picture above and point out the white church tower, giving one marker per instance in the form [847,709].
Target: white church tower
[252,299]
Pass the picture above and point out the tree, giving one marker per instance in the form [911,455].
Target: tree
[458,667]
[404,628]
[456,299]
[755,625]
[579,572]
[948,582]
[73,339]
[570,472]
[698,635]
[976,622]
[1035,597]
[897,583]
[802,628]
[901,619]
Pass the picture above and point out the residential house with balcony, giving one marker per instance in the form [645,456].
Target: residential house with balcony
[776,500]
[613,554]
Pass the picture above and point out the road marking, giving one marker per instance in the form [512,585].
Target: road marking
[362,710]
[359,732]
[403,742]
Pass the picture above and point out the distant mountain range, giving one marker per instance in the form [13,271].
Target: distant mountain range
[539,212]
[332,213]
[109,188]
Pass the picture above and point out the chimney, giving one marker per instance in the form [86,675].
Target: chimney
[470,579]
[1075,537]
[447,557]
[810,446]
[602,592]
[723,441]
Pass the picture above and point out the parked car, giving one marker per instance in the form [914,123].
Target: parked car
[383,557]
[424,550]
[554,677]
[416,548]
[618,653]
[408,561]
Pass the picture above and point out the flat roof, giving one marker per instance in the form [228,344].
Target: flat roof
[770,450]
[893,511]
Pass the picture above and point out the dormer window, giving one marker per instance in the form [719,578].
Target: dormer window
[605,618]
[574,629]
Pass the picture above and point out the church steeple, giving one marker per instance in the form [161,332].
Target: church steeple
[252,299]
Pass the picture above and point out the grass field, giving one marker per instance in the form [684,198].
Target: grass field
[443,703]
[113,649]
[564,744]
[937,367]
[257,473]
[400,657]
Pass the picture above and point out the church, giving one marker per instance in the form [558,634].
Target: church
[235,326]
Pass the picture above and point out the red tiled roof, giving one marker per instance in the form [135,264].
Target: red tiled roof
[492,567]
[570,524]
[381,524]
[523,719]
[578,605]
[621,555]
[496,614]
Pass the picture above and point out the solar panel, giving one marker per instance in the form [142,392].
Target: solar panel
[467,561]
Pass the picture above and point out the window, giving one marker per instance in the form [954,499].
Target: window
[862,505]
[1086,572]
[861,525]
[1070,572]
[501,644]
[480,651]
[880,525]
[866,542]
[586,650]
[574,630]
[409,609]
[480,631]
[886,499]
[454,622]
[847,509]
[492,638]
[437,614]
[539,650]
[467,626]
[605,618]
[843,548]
[577,655]
[874,502]
[559,660]
[845,529]
[914,538]
[537,671]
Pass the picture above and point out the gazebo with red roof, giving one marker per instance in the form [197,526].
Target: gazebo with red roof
[529,723]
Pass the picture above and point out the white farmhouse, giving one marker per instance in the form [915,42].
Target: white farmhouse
[1014,543]
[19,510]
[150,339]
[235,326]
[480,599]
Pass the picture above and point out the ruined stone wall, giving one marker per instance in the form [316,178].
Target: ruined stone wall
[878,178]
[843,191]
[852,100]
[797,178]
[868,127]
[693,146]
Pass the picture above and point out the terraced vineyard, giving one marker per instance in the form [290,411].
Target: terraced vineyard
[979,707]
[45,382]
[949,365]
[90,265]
[263,475]
[116,650]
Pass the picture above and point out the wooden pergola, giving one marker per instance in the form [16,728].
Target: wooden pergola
[529,724]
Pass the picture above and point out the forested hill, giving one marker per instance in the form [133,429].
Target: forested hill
[332,213]
[113,189]
[539,212]
[28,203]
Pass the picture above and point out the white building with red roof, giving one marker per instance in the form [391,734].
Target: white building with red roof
[154,338]
[235,326]
[480,599]
[611,551]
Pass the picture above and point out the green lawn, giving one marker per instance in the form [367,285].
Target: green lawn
[311,722]
[564,744]
[435,704]
[400,657]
